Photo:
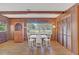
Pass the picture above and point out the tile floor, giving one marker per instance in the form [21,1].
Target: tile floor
[11,48]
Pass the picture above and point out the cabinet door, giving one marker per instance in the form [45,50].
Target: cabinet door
[60,32]
[69,33]
[64,33]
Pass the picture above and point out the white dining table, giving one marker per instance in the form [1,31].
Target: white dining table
[39,39]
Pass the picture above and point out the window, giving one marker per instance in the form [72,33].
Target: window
[3,27]
[39,28]
[18,27]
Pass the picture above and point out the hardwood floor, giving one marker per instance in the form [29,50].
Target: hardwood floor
[11,48]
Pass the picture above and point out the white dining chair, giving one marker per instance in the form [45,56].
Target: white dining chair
[38,41]
[46,40]
[31,40]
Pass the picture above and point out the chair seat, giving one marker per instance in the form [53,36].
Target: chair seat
[31,39]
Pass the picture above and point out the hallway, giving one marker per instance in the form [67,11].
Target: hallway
[11,48]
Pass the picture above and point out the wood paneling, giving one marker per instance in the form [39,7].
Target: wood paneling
[73,20]
[54,31]
[78,25]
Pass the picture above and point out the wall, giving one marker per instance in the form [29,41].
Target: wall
[49,20]
[73,11]
[54,31]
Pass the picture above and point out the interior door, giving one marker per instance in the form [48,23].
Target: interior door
[17,31]
[60,32]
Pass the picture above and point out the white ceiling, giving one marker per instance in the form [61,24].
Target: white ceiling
[34,7]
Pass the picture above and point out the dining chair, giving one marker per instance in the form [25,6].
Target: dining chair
[31,40]
[38,41]
[46,40]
